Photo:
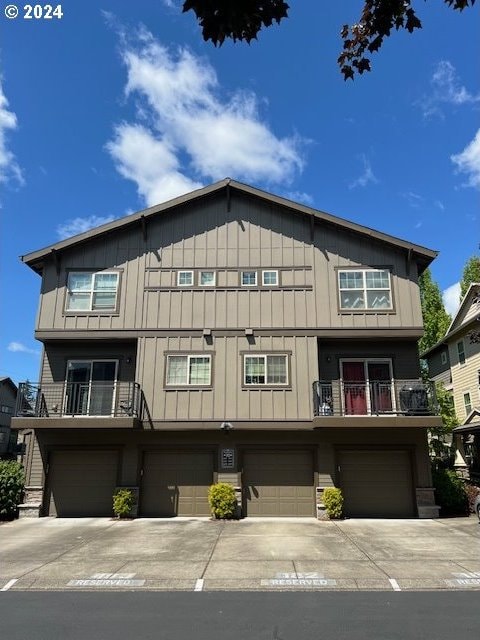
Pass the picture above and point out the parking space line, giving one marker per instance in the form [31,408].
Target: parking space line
[394,583]
[9,584]
[199,584]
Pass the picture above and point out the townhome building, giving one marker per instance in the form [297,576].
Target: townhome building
[8,398]
[455,362]
[229,335]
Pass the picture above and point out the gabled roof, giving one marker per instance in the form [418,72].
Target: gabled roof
[9,381]
[454,327]
[471,424]
[465,301]
[36,259]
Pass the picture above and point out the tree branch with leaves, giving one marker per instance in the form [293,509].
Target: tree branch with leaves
[242,20]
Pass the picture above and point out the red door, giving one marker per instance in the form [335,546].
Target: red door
[354,388]
[379,378]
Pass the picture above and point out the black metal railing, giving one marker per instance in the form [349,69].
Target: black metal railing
[78,399]
[397,397]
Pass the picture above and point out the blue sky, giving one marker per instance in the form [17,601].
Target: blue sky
[120,105]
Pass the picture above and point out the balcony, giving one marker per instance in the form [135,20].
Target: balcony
[79,404]
[376,403]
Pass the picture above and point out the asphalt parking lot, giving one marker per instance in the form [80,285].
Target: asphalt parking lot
[255,554]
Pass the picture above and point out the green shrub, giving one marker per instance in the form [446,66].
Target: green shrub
[12,484]
[450,493]
[123,502]
[222,500]
[333,500]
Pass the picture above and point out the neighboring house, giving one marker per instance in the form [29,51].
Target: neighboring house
[8,398]
[230,335]
[455,361]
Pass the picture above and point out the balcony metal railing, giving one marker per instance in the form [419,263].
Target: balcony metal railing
[79,399]
[398,397]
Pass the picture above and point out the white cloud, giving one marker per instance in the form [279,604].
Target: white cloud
[79,225]
[451,298]
[19,347]
[190,133]
[150,162]
[468,161]
[366,177]
[9,168]
[300,196]
[446,88]
[413,199]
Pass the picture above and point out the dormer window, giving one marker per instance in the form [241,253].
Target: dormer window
[90,291]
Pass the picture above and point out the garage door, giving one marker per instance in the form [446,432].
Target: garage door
[377,483]
[81,483]
[278,483]
[176,483]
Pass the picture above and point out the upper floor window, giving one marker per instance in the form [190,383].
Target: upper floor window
[207,279]
[467,401]
[443,357]
[189,370]
[461,352]
[270,278]
[368,289]
[4,408]
[266,369]
[249,278]
[185,278]
[90,291]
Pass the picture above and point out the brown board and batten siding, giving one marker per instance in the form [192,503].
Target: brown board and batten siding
[227,398]
[56,356]
[253,234]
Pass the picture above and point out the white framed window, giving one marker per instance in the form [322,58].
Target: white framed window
[91,291]
[249,278]
[185,278]
[467,401]
[443,357]
[270,278]
[268,370]
[188,370]
[368,289]
[207,279]
[461,352]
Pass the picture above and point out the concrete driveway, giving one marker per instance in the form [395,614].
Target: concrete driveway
[256,554]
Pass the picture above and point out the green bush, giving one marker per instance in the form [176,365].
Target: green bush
[333,501]
[123,502]
[12,484]
[222,500]
[450,493]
